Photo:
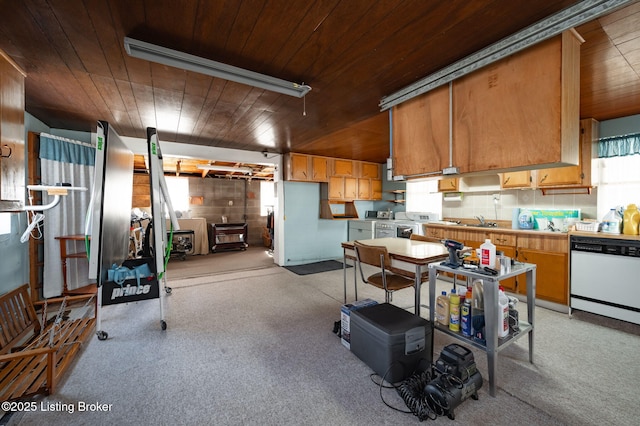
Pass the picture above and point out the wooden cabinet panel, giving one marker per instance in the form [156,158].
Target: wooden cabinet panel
[370,170]
[343,168]
[376,189]
[420,135]
[299,167]
[336,188]
[579,175]
[434,232]
[551,274]
[516,180]
[520,111]
[319,169]
[364,189]
[351,188]
[448,184]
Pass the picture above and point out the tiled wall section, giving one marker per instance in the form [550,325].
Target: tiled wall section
[229,197]
[482,203]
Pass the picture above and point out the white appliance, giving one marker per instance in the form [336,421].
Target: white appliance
[604,277]
[408,223]
[361,229]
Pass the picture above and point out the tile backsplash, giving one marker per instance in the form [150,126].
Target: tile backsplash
[483,204]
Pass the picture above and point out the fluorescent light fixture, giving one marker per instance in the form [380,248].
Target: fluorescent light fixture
[245,170]
[162,55]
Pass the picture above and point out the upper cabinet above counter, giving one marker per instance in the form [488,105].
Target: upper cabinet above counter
[520,113]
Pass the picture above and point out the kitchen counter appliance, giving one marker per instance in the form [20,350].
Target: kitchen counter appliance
[604,276]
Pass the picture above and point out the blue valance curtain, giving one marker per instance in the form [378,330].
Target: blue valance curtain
[619,146]
[65,161]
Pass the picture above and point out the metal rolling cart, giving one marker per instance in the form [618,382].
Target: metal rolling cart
[490,288]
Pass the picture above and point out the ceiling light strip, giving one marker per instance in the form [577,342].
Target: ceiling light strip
[570,17]
[174,58]
[245,170]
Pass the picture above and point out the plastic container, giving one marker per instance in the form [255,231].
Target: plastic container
[488,254]
[454,311]
[525,219]
[442,309]
[477,309]
[465,319]
[630,220]
[503,314]
[612,222]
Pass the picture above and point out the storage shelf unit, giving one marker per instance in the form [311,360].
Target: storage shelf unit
[490,289]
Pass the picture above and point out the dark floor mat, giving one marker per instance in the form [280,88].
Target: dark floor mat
[314,268]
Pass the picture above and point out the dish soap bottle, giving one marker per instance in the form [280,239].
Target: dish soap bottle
[630,220]
[612,222]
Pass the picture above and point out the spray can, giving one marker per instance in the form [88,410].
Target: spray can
[465,318]
[454,311]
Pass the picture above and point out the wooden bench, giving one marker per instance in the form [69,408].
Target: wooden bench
[33,358]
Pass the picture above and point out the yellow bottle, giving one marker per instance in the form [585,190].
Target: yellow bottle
[630,220]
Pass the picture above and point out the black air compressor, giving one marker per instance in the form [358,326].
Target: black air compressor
[441,388]
[457,379]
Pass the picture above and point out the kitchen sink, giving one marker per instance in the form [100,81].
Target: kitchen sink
[480,225]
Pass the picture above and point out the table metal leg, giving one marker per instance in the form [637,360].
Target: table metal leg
[344,274]
[531,292]
[490,290]
[417,284]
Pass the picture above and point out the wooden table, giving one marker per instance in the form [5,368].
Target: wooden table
[410,256]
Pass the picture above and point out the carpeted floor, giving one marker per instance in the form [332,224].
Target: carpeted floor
[255,347]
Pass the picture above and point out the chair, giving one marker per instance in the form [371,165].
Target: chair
[385,279]
[417,237]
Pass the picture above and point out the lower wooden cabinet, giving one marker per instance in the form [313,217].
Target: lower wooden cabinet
[551,274]
[548,252]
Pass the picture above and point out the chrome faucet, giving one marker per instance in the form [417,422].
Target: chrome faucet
[481,219]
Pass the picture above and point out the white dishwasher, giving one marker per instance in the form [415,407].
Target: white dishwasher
[604,277]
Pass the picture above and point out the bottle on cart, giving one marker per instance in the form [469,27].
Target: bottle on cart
[454,311]
[442,309]
[477,310]
[488,254]
[465,317]
[503,313]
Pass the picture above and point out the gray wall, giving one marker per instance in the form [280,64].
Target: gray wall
[232,198]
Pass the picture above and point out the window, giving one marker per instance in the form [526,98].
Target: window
[5,223]
[267,197]
[178,192]
[423,196]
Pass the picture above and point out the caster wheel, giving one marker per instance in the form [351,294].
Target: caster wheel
[163,325]
[168,290]
[102,335]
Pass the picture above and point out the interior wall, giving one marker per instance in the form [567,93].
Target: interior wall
[231,198]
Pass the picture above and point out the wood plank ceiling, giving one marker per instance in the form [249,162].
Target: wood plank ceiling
[352,53]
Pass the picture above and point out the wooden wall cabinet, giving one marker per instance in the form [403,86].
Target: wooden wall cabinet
[515,180]
[528,103]
[342,167]
[448,185]
[306,168]
[560,177]
[420,134]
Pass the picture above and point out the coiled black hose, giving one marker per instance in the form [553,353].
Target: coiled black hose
[411,390]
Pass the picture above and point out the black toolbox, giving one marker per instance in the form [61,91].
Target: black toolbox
[391,341]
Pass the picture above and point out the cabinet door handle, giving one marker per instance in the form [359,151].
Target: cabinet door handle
[506,180]
[452,183]
[544,178]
